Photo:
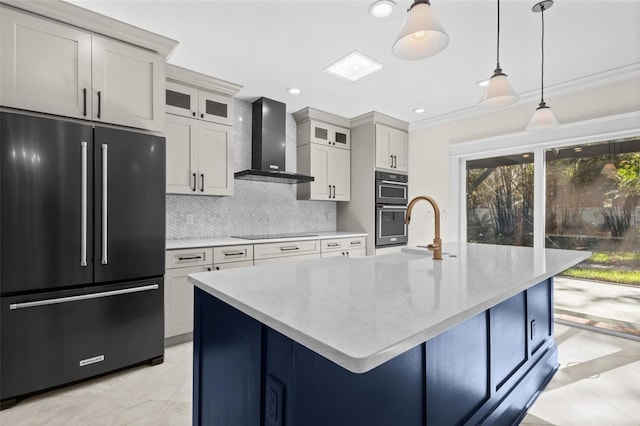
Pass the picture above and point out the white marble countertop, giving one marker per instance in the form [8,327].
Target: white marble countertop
[231,241]
[361,312]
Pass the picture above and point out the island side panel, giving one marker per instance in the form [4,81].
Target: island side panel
[318,392]
[226,364]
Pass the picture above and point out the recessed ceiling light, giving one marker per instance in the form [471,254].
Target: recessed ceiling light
[354,66]
[381,8]
[293,90]
[418,110]
[483,83]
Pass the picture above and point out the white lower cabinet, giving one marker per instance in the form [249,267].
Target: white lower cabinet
[347,247]
[178,292]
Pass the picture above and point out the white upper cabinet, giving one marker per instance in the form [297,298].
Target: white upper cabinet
[191,102]
[127,84]
[324,152]
[45,66]
[392,148]
[60,69]
[199,133]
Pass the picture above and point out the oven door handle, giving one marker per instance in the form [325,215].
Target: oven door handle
[390,182]
[403,208]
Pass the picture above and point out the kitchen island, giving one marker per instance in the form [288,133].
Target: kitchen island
[399,339]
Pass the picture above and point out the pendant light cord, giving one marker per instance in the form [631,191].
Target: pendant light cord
[542,73]
[498,39]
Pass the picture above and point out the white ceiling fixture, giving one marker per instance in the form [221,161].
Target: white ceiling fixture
[543,117]
[499,91]
[354,66]
[381,8]
[419,110]
[421,34]
[293,91]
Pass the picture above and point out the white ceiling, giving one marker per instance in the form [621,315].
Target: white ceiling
[268,46]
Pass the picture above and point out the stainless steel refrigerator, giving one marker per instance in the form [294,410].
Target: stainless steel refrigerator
[82,239]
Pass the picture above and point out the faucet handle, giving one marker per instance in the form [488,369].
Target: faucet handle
[433,247]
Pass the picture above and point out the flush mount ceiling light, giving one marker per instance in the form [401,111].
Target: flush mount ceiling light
[419,110]
[543,117]
[354,66]
[421,34]
[381,8]
[499,92]
[293,91]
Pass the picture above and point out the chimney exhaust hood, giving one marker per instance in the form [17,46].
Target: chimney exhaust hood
[268,145]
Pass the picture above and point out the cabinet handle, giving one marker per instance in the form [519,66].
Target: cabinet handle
[99,102]
[217,268]
[202,115]
[83,207]
[289,248]
[193,113]
[334,191]
[189,257]
[209,269]
[84,101]
[356,243]
[237,253]
[194,182]
[105,208]
[347,254]
[329,191]
[201,182]
[333,245]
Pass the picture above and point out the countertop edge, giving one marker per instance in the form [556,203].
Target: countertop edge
[232,241]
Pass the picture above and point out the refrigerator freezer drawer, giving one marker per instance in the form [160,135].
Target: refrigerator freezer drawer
[55,338]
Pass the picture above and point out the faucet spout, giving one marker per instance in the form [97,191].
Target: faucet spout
[436,247]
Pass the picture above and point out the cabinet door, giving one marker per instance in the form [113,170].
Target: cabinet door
[215,159]
[215,108]
[319,169]
[399,147]
[128,85]
[340,173]
[45,66]
[181,100]
[178,300]
[182,154]
[341,137]
[392,148]
[321,133]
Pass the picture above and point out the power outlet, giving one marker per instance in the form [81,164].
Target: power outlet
[274,402]
[190,218]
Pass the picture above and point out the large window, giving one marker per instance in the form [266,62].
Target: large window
[500,200]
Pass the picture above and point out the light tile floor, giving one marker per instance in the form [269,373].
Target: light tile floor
[598,384]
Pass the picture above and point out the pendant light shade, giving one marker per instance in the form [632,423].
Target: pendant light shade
[543,117]
[499,91]
[421,34]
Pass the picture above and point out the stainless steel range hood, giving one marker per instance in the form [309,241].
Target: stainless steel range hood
[268,145]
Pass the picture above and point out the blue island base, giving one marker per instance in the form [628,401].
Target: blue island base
[487,370]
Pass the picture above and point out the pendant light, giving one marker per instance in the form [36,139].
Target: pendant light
[543,117]
[499,92]
[421,34]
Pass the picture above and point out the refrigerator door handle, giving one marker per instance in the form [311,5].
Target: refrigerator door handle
[83,207]
[68,299]
[105,209]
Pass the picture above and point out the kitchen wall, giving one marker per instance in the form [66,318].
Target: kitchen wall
[429,163]
[255,207]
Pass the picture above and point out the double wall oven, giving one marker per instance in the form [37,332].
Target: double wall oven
[391,208]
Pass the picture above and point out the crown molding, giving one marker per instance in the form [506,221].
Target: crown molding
[614,75]
[378,117]
[71,14]
[201,81]
[309,113]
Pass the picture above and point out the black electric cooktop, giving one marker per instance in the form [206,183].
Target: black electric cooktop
[273,236]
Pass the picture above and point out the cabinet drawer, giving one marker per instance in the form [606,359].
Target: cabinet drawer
[232,254]
[188,257]
[342,244]
[284,249]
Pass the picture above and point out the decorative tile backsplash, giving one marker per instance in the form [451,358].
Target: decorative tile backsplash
[255,207]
